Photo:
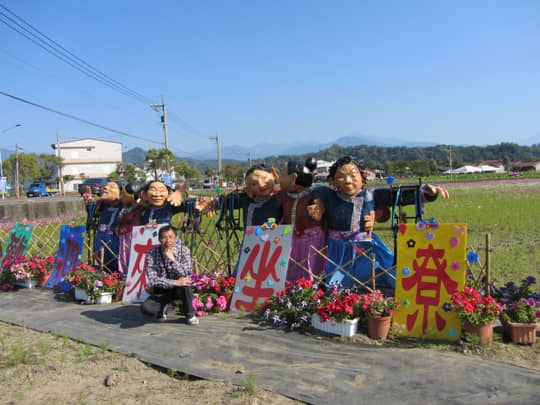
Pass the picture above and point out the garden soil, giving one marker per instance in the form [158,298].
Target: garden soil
[114,354]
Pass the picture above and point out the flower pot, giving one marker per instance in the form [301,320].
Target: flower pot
[118,295]
[43,278]
[104,298]
[378,328]
[26,283]
[521,333]
[344,328]
[80,295]
[484,331]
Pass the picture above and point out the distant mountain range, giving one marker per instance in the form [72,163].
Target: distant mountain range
[262,150]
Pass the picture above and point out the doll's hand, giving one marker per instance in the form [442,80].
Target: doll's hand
[369,221]
[316,210]
[205,205]
[434,190]
[175,198]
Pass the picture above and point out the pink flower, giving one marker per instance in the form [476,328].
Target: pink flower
[209,303]
[197,304]
[221,303]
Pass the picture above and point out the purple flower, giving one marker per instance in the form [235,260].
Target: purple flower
[276,319]
[447,307]
[531,280]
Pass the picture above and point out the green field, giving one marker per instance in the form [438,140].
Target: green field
[510,212]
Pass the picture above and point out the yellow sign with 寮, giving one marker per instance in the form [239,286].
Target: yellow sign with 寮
[430,266]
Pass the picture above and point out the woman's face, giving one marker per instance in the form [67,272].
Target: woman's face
[260,183]
[110,192]
[168,239]
[157,194]
[348,179]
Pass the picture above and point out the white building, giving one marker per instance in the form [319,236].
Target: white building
[86,158]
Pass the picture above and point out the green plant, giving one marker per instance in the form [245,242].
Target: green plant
[292,307]
[376,305]
[85,277]
[520,303]
[472,307]
[250,384]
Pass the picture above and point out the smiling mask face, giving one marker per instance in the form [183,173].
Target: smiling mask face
[157,194]
[111,192]
[348,179]
[260,183]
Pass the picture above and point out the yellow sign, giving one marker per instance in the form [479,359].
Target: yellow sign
[431,265]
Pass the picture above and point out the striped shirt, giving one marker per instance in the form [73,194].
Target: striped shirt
[162,271]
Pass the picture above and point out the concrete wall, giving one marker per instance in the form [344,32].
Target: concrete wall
[35,208]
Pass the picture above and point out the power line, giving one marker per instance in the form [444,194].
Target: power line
[68,57]
[73,117]
[82,66]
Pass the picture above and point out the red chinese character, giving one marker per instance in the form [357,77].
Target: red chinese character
[138,272]
[68,256]
[267,268]
[16,246]
[428,285]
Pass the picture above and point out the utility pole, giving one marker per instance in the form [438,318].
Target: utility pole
[212,138]
[59,155]
[450,161]
[17,191]
[249,160]
[163,107]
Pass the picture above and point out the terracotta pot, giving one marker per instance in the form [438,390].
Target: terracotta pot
[484,331]
[521,333]
[43,278]
[228,296]
[378,328]
[119,295]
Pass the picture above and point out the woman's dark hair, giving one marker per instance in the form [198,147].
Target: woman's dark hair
[344,161]
[166,228]
[253,168]
[303,170]
[147,185]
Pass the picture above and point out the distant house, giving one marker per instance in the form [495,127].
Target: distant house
[86,158]
[526,166]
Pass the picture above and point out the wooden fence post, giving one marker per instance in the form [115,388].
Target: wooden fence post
[489,250]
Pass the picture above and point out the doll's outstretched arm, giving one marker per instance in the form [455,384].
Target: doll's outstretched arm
[432,191]
[175,198]
[316,210]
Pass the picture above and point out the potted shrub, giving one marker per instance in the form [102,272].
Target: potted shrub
[477,312]
[379,311]
[41,268]
[292,307]
[212,293]
[521,309]
[91,286]
[335,311]
[16,272]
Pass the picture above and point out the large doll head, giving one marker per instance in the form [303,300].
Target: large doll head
[155,193]
[260,181]
[111,192]
[347,176]
[297,176]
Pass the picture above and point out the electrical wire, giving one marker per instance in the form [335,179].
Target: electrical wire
[69,58]
[82,66]
[73,117]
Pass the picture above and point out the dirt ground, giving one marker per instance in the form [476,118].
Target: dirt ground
[41,368]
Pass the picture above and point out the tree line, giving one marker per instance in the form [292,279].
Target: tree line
[398,160]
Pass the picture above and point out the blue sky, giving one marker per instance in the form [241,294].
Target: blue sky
[457,72]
